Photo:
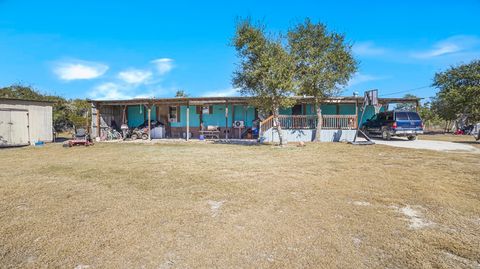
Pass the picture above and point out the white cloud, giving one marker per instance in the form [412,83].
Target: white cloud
[109,91]
[222,93]
[135,76]
[359,78]
[78,69]
[134,83]
[451,45]
[122,91]
[367,48]
[164,65]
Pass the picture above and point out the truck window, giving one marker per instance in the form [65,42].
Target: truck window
[401,115]
[413,116]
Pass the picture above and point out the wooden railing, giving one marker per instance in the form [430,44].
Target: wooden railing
[339,122]
[298,121]
[265,124]
[310,122]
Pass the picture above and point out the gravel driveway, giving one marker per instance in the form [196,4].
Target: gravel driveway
[427,144]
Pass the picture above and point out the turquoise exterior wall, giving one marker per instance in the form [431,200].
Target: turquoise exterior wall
[369,113]
[285,111]
[347,109]
[245,113]
[194,117]
[217,118]
[331,109]
[137,114]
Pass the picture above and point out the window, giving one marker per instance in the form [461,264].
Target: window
[413,116]
[174,114]
[401,116]
[204,110]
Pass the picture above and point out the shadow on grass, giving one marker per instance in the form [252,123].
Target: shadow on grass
[241,142]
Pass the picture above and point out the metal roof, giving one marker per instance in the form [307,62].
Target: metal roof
[27,100]
[241,100]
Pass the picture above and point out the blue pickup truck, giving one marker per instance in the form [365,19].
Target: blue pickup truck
[394,123]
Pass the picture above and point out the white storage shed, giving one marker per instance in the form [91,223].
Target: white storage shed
[24,122]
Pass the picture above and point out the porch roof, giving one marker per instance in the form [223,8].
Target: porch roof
[237,100]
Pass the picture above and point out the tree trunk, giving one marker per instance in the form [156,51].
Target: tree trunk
[318,130]
[278,127]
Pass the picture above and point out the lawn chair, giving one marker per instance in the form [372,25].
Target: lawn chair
[80,138]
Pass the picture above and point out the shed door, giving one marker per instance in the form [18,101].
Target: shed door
[14,127]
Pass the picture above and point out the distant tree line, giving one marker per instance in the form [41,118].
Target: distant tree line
[67,113]
[458,100]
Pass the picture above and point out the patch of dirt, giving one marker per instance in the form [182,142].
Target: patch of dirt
[415,217]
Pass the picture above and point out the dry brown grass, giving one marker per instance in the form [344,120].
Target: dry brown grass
[196,205]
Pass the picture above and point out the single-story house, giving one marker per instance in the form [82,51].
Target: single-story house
[234,117]
[24,122]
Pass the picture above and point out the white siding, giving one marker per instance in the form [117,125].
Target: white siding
[40,120]
[307,135]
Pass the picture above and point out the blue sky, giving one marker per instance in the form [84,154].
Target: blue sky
[126,49]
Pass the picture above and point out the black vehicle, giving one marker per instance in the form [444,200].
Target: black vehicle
[394,123]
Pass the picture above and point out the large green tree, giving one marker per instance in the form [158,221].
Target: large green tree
[324,63]
[66,113]
[181,93]
[459,91]
[407,106]
[266,70]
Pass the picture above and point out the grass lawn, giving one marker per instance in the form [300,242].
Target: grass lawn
[198,205]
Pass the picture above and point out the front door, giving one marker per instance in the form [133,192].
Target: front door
[297,110]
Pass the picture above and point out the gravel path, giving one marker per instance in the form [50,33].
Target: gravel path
[428,144]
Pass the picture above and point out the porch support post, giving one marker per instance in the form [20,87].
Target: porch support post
[417,104]
[124,115]
[188,120]
[226,120]
[149,110]
[356,112]
[233,114]
[245,120]
[98,120]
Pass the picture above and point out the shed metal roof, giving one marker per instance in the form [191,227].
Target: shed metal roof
[13,100]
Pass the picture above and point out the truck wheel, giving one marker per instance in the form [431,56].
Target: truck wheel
[386,135]
[412,137]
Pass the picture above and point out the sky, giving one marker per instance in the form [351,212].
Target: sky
[132,49]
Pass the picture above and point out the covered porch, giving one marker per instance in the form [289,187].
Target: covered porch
[227,117]
[230,118]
